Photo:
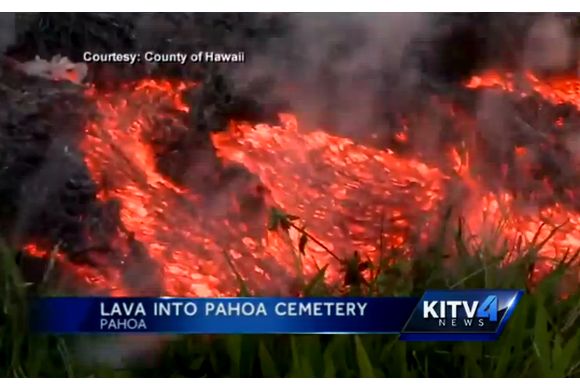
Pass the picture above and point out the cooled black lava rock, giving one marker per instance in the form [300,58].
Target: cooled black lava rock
[71,34]
[34,114]
[47,194]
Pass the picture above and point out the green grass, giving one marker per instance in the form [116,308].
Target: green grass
[541,339]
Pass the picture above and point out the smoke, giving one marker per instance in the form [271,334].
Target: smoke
[549,45]
[332,69]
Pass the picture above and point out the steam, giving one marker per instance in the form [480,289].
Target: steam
[549,45]
[331,68]
[553,47]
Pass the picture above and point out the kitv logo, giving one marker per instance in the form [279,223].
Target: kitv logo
[461,315]
[464,313]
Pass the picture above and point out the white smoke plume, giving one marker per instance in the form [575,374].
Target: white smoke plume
[550,44]
[331,67]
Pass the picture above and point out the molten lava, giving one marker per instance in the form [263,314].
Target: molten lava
[350,197]
[555,225]
[558,90]
[347,194]
[154,209]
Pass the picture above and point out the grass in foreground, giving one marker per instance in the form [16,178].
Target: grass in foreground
[541,339]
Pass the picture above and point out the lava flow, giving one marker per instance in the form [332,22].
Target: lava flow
[152,208]
[557,90]
[555,225]
[349,197]
[320,177]
[347,194]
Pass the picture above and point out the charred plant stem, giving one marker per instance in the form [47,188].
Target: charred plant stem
[315,240]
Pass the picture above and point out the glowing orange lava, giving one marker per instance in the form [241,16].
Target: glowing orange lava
[346,193]
[350,197]
[558,90]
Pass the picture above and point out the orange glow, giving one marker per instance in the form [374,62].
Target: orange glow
[154,209]
[321,177]
[346,195]
[34,250]
[557,90]
[492,79]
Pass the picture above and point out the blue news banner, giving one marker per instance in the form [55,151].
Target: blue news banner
[453,315]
